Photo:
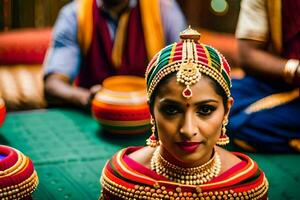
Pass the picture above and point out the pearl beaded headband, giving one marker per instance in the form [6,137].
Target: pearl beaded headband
[189,59]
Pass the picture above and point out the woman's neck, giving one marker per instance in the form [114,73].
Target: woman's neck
[186,175]
[116,10]
[168,156]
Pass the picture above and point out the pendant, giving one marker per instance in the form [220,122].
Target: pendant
[187,92]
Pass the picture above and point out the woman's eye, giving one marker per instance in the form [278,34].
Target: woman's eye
[206,109]
[170,110]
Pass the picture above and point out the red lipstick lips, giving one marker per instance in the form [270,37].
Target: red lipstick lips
[188,146]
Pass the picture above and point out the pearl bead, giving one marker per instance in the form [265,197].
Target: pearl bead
[189,176]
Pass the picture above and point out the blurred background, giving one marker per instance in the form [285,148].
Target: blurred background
[217,15]
[17,14]
[25,34]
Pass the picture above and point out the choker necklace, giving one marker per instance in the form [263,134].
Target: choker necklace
[188,176]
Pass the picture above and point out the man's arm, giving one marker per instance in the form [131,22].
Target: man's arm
[257,61]
[59,91]
[62,62]
[253,39]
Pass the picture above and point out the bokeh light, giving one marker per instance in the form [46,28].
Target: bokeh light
[219,7]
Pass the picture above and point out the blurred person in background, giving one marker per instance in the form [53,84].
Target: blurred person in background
[94,39]
[267,105]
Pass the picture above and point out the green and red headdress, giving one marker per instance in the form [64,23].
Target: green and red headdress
[189,59]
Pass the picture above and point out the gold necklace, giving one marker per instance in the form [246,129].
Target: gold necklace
[189,176]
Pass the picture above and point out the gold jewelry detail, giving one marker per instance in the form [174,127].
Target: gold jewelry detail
[224,126]
[188,74]
[173,67]
[290,69]
[223,139]
[189,60]
[190,34]
[109,187]
[152,122]
[188,176]
[152,141]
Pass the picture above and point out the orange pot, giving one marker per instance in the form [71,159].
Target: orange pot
[121,105]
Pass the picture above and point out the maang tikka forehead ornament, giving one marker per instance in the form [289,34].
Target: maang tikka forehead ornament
[189,59]
[188,74]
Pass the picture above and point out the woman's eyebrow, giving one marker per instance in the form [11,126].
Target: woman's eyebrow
[206,101]
[169,101]
[174,102]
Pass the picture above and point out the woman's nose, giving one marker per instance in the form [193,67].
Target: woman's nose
[189,127]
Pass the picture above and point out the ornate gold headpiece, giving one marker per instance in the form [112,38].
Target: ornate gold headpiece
[189,59]
[189,73]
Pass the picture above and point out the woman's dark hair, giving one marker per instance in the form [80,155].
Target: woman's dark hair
[219,90]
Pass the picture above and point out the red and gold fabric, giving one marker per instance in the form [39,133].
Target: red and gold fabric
[123,178]
[2,111]
[138,37]
[18,178]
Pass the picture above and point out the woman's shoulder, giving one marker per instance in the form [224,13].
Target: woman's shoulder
[237,161]
[228,159]
[139,155]
[142,155]
[241,170]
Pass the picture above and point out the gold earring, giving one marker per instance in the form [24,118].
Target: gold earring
[152,141]
[223,139]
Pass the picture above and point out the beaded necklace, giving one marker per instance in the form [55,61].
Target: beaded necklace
[189,176]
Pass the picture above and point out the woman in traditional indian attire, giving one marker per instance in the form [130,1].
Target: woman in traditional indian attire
[188,87]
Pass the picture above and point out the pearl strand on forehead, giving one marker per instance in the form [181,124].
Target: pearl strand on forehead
[189,176]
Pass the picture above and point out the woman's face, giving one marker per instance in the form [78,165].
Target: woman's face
[188,129]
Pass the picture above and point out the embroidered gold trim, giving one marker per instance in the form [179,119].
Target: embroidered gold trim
[20,190]
[273,101]
[215,184]
[21,162]
[189,176]
[174,67]
[160,192]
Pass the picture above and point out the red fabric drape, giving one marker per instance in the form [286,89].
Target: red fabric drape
[97,64]
[291,28]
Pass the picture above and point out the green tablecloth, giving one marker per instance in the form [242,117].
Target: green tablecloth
[69,149]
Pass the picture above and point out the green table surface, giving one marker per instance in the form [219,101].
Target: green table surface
[69,149]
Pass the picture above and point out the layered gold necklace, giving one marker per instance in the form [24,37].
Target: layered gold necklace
[189,176]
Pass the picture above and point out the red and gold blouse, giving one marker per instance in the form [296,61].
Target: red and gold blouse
[123,178]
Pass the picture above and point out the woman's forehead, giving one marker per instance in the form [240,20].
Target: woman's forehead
[201,90]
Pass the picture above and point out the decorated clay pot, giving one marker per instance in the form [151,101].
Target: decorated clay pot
[121,105]
[18,178]
[2,111]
